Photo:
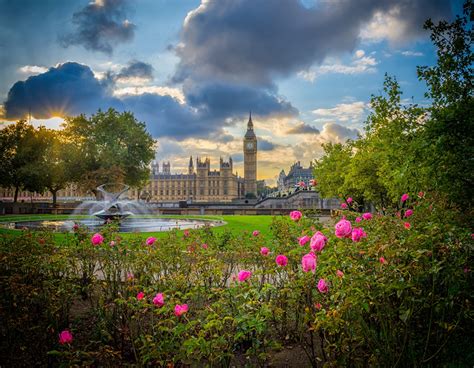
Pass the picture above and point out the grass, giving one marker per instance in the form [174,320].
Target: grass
[234,223]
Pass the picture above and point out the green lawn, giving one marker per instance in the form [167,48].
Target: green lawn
[234,223]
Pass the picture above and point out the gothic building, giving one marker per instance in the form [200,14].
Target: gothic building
[200,183]
[296,174]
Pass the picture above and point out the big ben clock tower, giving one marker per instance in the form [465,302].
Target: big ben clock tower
[250,160]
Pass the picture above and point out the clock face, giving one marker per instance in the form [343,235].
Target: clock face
[250,145]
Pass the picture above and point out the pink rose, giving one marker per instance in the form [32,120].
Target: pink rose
[343,229]
[159,300]
[358,219]
[186,233]
[205,246]
[244,275]
[367,216]
[408,213]
[323,286]
[150,241]
[281,260]
[75,227]
[349,200]
[301,184]
[382,260]
[308,262]
[407,225]
[179,310]
[421,194]
[357,234]
[256,233]
[303,240]
[339,273]
[295,215]
[404,197]
[343,206]
[318,305]
[65,337]
[318,241]
[97,239]
[264,251]
[140,295]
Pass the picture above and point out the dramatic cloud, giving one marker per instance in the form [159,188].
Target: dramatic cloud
[333,132]
[359,64]
[221,100]
[265,145]
[252,41]
[100,26]
[342,112]
[302,128]
[32,69]
[68,89]
[135,71]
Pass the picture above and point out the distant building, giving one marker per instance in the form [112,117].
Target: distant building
[199,184]
[296,174]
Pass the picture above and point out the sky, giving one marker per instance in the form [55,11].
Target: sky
[192,70]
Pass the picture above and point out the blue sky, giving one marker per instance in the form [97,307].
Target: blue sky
[192,71]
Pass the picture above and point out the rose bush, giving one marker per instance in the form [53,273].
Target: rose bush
[348,296]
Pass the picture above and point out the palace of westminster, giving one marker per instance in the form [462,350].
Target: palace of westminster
[199,184]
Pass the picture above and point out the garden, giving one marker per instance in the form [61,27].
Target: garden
[363,289]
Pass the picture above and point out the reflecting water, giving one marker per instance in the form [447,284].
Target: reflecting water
[128,225]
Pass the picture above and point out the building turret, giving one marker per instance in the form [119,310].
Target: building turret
[191,166]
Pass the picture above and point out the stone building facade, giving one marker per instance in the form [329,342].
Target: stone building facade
[198,184]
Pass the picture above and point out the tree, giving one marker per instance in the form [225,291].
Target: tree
[449,132]
[56,168]
[331,169]
[110,147]
[21,150]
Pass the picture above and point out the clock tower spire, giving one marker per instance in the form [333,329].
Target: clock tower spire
[250,160]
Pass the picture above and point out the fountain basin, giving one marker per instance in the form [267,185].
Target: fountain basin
[126,225]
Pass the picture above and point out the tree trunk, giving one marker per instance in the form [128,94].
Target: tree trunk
[54,192]
[15,198]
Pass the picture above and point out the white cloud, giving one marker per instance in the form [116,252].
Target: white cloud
[32,70]
[412,53]
[342,112]
[359,64]
[385,25]
[158,90]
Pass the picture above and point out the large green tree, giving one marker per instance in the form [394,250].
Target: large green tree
[21,150]
[449,131]
[109,147]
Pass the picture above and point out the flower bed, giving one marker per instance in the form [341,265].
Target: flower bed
[363,290]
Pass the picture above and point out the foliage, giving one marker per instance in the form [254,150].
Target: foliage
[21,150]
[415,308]
[110,146]
[413,148]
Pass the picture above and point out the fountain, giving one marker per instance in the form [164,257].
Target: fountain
[113,208]
[131,216]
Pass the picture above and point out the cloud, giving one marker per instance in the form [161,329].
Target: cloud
[412,53]
[32,69]
[333,132]
[342,112]
[135,72]
[359,65]
[68,89]
[254,41]
[403,20]
[100,26]
[265,145]
[221,100]
[302,128]
[176,93]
